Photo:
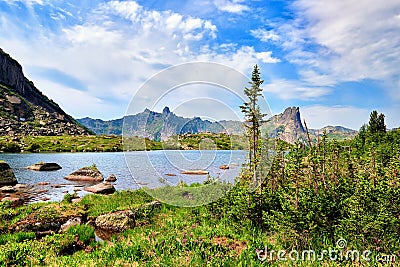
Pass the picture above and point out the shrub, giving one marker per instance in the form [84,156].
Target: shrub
[85,232]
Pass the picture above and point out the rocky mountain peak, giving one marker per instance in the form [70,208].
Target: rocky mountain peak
[292,115]
[166,111]
[286,126]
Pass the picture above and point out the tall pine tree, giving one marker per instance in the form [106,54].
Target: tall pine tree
[253,118]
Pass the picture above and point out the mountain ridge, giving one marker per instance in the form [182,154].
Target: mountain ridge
[24,109]
[160,126]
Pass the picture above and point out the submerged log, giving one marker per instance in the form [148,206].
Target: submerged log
[195,172]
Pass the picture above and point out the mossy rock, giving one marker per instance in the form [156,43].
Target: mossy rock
[102,188]
[89,174]
[117,221]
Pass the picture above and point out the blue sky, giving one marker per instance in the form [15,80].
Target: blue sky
[336,59]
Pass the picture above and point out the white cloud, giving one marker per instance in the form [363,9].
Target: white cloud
[344,40]
[266,57]
[26,2]
[89,105]
[265,35]
[292,89]
[163,22]
[243,59]
[231,6]
[91,35]
[127,9]
[319,116]
[313,78]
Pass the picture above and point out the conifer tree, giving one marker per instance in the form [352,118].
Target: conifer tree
[376,123]
[253,117]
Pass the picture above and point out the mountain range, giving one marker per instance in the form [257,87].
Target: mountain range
[160,126]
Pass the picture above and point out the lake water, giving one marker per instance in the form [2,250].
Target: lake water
[146,168]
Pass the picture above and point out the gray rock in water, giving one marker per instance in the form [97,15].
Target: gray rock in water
[117,221]
[89,174]
[7,176]
[45,166]
[102,188]
[111,178]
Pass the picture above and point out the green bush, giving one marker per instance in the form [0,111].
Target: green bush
[17,237]
[10,147]
[85,232]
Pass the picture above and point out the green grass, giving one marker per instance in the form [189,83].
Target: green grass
[206,141]
[102,143]
[120,200]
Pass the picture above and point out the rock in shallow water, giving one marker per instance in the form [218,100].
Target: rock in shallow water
[111,178]
[7,176]
[102,188]
[44,166]
[89,174]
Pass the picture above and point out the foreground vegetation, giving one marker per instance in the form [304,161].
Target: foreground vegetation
[311,198]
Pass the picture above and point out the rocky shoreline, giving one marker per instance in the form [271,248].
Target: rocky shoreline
[88,179]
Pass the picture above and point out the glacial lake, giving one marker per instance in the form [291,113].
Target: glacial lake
[146,168]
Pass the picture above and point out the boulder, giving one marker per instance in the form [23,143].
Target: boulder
[76,200]
[13,200]
[117,221]
[7,176]
[45,166]
[7,189]
[111,178]
[20,186]
[102,188]
[195,172]
[89,174]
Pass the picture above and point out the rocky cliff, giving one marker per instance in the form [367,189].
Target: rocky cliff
[25,110]
[286,126]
